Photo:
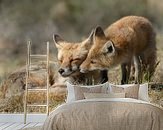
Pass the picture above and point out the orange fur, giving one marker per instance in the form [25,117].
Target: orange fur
[132,38]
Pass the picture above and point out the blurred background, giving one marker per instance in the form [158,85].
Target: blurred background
[35,20]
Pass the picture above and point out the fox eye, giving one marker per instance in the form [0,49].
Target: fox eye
[60,61]
[93,62]
[71,60]
[77,59]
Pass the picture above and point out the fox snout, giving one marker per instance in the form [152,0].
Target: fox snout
[65,71]
[68,71]
[83,68]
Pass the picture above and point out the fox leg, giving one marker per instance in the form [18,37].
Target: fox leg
[125,68]
[137,65]
[104,76]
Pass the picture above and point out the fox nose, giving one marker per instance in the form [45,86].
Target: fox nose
[61,71]
[83,71]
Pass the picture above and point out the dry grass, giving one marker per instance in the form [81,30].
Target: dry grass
[55,100]
[156,97]
[15,103]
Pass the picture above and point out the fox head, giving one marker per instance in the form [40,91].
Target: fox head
[101,54]
[71,55]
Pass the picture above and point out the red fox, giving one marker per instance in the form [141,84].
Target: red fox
[71,56]
[129,40]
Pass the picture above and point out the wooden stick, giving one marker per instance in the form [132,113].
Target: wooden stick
[47,78]
[27,76]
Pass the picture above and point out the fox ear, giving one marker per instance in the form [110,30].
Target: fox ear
[99,32]
[89,41]
[109,48]
[91,36]
[57,40]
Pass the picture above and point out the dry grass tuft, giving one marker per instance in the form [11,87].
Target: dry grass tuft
[156,97]
[15,103]
[12,105]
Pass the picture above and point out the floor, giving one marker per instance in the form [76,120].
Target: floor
[15,121]
[18,126]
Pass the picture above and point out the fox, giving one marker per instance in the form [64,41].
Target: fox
[70,57]
[130,41]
